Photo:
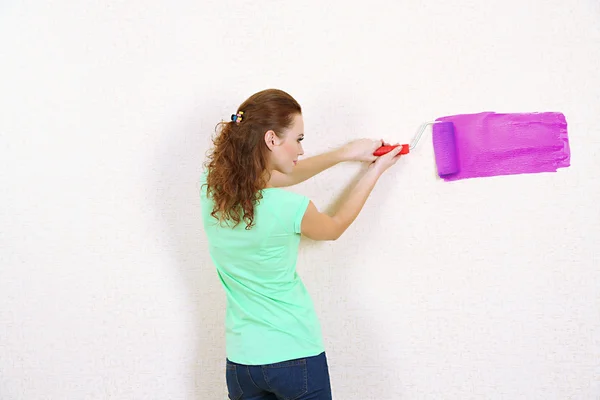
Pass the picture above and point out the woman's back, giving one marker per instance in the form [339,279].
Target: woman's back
[270,316]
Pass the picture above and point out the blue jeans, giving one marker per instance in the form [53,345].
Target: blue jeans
[300,379]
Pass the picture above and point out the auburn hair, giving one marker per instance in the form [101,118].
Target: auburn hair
[237,163]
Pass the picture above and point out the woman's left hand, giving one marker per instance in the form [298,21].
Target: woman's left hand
[360,150]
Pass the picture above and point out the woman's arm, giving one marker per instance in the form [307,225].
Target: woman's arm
[357,150]
[320,226]
[307,168]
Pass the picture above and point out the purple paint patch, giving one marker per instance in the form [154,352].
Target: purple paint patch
[491,144]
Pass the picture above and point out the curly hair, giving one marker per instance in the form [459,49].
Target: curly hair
[237,163]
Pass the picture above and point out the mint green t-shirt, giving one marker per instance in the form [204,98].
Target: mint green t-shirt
[270,316]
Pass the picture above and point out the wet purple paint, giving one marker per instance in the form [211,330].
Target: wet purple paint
[491,144]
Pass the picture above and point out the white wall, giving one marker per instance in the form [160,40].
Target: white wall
[478,289]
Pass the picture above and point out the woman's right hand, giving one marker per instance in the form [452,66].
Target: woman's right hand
[320,226]
[382,163]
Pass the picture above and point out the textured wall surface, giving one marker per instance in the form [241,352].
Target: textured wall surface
[477,289]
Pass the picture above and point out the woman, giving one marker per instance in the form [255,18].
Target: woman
[273,337]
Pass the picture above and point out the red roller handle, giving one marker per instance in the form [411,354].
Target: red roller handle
[386,149]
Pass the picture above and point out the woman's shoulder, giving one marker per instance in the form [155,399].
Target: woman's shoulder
[283,194]
[287,201]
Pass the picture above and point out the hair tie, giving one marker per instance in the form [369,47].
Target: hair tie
[237,118]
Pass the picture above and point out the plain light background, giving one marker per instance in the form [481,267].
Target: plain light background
[478,289]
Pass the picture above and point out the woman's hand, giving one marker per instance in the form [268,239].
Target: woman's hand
[387,160]
[360,150]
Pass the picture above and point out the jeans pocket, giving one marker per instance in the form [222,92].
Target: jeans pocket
[233,385]
[288,379]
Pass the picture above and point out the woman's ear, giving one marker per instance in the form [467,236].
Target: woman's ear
[271,139]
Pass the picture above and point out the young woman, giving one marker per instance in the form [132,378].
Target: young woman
[273,337]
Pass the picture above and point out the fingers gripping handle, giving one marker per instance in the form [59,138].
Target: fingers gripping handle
[386,149]
[405,147]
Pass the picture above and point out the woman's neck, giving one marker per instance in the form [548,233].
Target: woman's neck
[267,179]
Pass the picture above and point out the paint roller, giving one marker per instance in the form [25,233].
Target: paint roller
[444,146]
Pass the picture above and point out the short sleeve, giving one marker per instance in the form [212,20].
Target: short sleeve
[301,209]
